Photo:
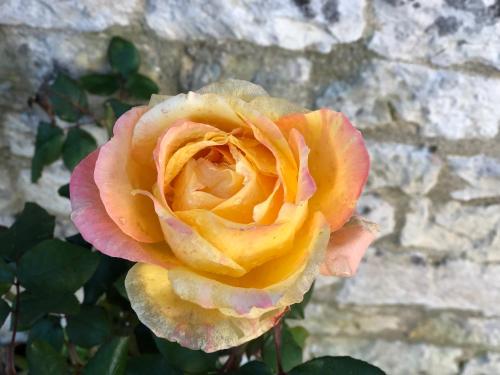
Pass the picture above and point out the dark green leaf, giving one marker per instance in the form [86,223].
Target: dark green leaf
[118,107]
[297,310]
[48,146]
[123,56]
[78,144]
[68,99]
[49,330]
[33,225]
[141,87]
[336,365]
[291,352]
[191,361]
[4,311]
[55,266]
[119,285]
[6,272]
[44,360]
[150,364]
[100,84]
[78,240]
[254,368]
[107,272]
[63,191]
[110,359]
[89,327]
[300,335]
[34,306]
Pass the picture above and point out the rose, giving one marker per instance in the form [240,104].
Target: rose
[231,202]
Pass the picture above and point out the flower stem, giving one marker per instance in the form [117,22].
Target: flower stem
[277,347]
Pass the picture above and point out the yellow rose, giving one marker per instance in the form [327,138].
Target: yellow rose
[231,202]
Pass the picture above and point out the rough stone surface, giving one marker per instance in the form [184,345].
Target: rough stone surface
[421,79]
[288,24]
[415,170]
[398,356]
[442,102]
[86,15]
[456,284]
[379,211]
[481,174]
[444,32]
[483,365]
[472,231]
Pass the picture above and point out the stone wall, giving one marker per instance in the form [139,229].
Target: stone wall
[420,78]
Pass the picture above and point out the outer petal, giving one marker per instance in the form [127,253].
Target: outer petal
[274,108]
[96,227]
[192,326]
[338,161]
[208,109]
[347,246]
[236,88]
[116,175]
[278,284]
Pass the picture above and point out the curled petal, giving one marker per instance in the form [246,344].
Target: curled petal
[338,161]
[306,187]
[192,326]
[187,244]
[116,175]
[91,219]
[249,245]
[347,246]
[209,109]
[279,283]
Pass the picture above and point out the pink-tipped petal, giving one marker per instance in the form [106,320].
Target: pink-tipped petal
[306,187]
[347,246]
[95,225]
[116,175]
[338,161]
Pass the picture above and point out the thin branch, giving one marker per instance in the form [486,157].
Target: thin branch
[234,360]
[11,369]
[277,347]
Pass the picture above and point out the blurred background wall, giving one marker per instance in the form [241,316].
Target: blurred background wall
[420,78]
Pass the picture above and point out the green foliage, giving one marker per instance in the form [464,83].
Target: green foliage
[89,327]
[110,359]
[43,359]
[336,365]
[123,56]
[101,84]
[48,146]
[141,87]
[55,266]
[78,144]
[190,361]
[68,99]
[41,276]
[33,225]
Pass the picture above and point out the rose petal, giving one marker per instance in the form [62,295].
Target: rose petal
[116,175]
[94,224]
[208,109]
[187,244]
[192,326]
[265,213]
[274,108]
[244,90]
[278,284]
[306,187]
[249,245]
[338,161]
[347,246]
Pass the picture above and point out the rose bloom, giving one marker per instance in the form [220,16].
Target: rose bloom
[231,202]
